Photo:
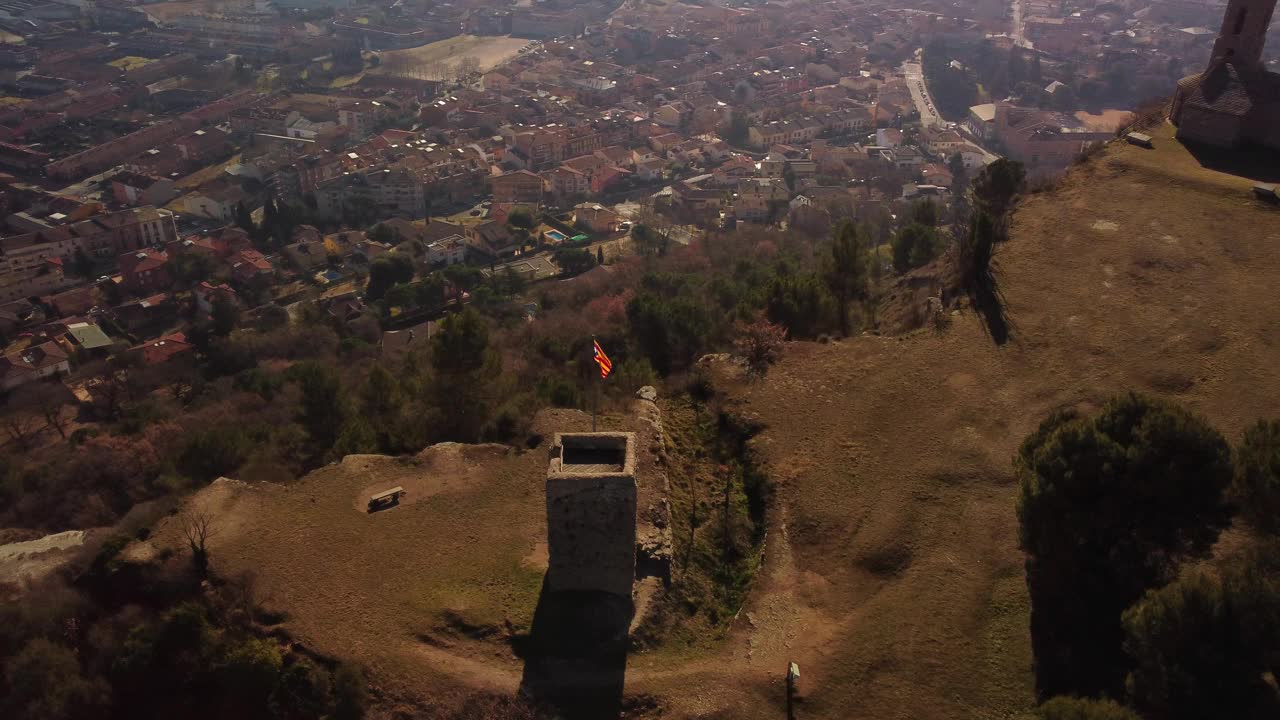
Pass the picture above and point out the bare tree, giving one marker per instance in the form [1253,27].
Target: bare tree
[113,382]
[469,65]
[45,400]
[22,425]
[197,528]
[655,236]
[179,376]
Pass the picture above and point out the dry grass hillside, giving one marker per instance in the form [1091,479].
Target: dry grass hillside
[891,571]
[1142,271]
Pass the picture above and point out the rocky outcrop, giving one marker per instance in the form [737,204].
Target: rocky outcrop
[653,531]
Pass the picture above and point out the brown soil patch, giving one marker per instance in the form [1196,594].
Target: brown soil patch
[444,468]
[489,51]
[1105,121]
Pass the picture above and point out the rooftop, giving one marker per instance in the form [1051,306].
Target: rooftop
[595,453]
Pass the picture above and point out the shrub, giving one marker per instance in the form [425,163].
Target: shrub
[1070,708]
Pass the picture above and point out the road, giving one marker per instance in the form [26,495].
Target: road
[1016,29]
[929,116]
[914,75]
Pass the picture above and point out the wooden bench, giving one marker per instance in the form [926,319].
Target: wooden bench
[1139,139]
[386,497]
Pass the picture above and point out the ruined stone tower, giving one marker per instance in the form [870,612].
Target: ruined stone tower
[1244,32]
[1235,101]
[591,512]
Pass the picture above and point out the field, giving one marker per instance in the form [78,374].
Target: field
[130,62]
[1105,121]
[436,58]
[891,571]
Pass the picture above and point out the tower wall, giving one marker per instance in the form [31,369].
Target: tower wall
[591,513]
[1244,32]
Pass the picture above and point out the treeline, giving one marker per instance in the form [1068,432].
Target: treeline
[989,73]
[1117,511]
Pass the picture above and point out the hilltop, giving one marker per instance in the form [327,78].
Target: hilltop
[1141,270]
[890,569]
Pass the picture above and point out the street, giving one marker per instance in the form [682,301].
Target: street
[1015,24]
[914,75]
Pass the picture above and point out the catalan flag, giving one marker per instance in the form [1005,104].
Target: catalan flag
[602,360]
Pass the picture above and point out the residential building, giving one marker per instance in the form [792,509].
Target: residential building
[450,250]
[131,188]
[164,349]
[36,362]
[981,121]
[249,266]
[360,118]
[520,186]
[218,200]
[379,193]
[565,181]
[102,236]
[595,218]
[145,270]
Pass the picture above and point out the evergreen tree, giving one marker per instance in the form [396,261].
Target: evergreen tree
[1108,506]
[387,271]
[846,271]
[463,365]
[915,246]
[324,408]
[1204,646]
[1256,489]
[995,188]
[244,219]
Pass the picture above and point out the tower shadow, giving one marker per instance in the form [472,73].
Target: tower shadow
[1261,164]
[575,655]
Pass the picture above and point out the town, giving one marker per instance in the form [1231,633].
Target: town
[289,147]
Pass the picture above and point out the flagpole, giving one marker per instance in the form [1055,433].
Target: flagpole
[595,401]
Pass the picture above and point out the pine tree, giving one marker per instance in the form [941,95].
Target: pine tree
[846,271]
[244,220]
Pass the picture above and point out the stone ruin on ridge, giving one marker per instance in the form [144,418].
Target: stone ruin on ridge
[1236,100]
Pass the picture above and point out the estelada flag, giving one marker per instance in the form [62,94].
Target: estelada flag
[602,360]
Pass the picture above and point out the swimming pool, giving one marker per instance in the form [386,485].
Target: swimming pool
[555,236]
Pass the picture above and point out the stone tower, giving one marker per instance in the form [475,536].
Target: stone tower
[1244,32]
[1236,101]
[591,513]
